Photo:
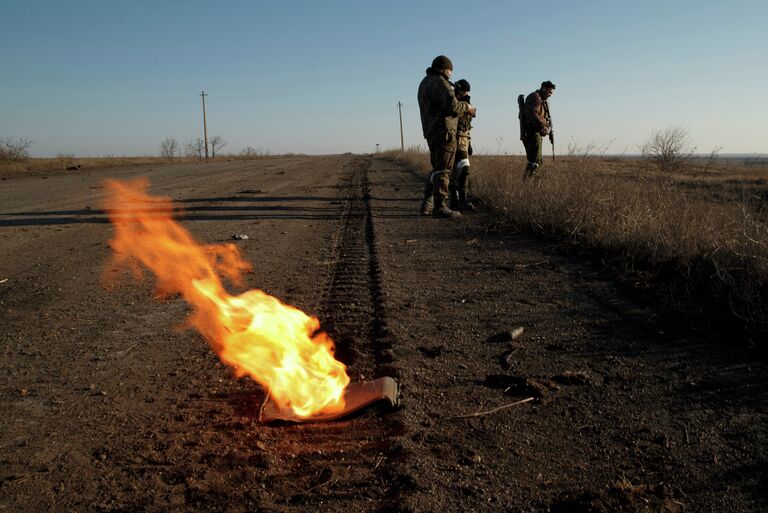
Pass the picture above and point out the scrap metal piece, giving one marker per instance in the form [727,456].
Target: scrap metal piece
[356,397]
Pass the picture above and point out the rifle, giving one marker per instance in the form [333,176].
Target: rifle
[520,104]
[552,140]
[551,133]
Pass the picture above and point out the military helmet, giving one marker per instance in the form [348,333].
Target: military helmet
[462,85]
[442,62]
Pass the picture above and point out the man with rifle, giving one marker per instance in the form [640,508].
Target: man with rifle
[535,123]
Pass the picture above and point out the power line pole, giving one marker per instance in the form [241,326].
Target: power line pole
[400,110]
[205,127]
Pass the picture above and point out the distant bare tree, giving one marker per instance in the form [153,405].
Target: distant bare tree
[217,143]
[249,151]
[669,148]
[168,148]
[589,151]
[200,147]
[714,155]
[195,148]
[14,149]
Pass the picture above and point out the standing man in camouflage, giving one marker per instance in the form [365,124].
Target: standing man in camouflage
[439,120]
[460,176]
[536,123]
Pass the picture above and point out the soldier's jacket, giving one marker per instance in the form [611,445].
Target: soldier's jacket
[438,106]
[465,120]
[536,113]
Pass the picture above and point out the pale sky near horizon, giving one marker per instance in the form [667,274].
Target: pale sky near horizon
[103,77]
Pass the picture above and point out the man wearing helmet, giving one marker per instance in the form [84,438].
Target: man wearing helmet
[439,110]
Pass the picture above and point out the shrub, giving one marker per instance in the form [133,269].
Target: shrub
[669,149]
[14,149]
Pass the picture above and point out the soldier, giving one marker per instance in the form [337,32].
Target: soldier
[439,119]
[460,177]
[536,123]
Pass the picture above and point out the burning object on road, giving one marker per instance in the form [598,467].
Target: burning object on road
[356,397]
[277,345]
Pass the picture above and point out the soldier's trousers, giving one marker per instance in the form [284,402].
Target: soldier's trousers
[532,142]
[442,152]
[460,176]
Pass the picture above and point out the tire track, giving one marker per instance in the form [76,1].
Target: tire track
[352,464]
[354,302]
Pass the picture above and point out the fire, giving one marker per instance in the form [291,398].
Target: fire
[275,344]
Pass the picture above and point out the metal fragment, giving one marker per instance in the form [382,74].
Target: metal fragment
[356,397]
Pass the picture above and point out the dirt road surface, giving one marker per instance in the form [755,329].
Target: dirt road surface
[108,404]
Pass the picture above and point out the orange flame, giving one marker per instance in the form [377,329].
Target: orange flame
[254,333]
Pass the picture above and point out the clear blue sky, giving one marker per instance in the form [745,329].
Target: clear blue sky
[102,77]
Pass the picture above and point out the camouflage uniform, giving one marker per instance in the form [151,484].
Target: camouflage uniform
[537,123]
[439,119]
[460,177]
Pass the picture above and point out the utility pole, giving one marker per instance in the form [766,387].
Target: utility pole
[205,127]
[400,110]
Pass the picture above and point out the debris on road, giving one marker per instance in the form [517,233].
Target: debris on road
[240,237]
[505,336]
[356,397]
[493,410]
[574,378]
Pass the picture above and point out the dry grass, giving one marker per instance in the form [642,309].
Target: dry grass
[703,230]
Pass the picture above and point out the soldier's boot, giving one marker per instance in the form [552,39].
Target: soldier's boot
[442,210]
[531,170]
[440,193]
[453,191]
[464,202]
[427,204]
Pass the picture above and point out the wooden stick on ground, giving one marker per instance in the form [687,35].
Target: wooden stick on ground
[494,410]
